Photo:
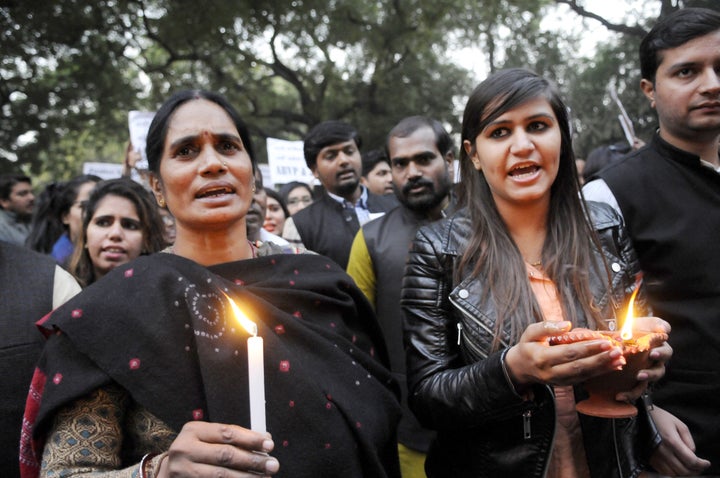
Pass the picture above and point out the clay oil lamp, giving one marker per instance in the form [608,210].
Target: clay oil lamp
[603,389]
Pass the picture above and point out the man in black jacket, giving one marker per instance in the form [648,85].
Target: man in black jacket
[31,285]
[421,158]
[328,225]
[669,195]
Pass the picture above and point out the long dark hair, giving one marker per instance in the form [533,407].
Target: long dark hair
[81,265]
[53,203]
[567,253]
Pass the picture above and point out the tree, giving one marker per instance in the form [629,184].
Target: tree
[615,63]
[76,67]
[72,69]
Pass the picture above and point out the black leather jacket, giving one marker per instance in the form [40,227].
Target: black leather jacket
[457,385]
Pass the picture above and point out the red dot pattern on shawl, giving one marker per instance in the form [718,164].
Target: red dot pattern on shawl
[198,414]
[76,314]
[134,363]
[129,273]
[57,378]
[284,365]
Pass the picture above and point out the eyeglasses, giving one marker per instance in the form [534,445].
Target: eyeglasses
[303,200]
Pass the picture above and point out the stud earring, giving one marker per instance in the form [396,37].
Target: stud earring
[161,201]
[253,186]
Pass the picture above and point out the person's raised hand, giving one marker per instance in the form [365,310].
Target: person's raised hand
[215,449]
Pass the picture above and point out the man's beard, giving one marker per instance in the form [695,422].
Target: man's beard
[346,189]
[427,200]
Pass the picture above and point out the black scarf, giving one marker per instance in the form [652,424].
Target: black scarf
[162,328]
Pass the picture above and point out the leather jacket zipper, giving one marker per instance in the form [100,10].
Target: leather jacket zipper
[527,431]
[469,343]
[459,327]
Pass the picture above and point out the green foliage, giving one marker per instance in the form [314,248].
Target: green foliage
[71,69]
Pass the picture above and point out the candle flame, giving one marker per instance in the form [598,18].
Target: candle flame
[247,324]
[626,333]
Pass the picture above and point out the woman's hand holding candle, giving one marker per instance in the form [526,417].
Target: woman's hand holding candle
[201,447]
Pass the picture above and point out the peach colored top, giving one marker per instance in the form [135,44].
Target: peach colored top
[568,458]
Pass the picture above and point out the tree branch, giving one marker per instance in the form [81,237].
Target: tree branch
[632,30]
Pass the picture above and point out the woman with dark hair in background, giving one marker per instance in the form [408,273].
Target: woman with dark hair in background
[296,196]
[57,221]
[168,395]
[484,289]
[275,213]
[120,222]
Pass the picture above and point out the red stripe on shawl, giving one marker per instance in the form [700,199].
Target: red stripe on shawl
[30,449]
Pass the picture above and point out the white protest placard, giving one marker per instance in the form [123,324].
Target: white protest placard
[109,171]
[139,123]
[287,162]
[103,170]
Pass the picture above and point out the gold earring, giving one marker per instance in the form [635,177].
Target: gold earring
[161,201]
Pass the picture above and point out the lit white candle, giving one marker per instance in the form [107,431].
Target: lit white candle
[256,371]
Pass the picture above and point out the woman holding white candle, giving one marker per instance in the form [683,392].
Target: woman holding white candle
[168,393]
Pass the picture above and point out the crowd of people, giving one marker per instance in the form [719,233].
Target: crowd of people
[411,326]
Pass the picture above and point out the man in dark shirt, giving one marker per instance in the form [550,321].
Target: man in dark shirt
[669,195]
[328,225]
[16,208]
[421,157]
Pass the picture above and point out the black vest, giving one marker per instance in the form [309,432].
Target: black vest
[388,241]
[671,205]
[26,292]
[327,228]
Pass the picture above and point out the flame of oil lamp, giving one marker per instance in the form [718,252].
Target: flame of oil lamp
[626,332]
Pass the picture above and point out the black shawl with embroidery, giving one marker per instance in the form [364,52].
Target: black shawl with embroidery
[162,328]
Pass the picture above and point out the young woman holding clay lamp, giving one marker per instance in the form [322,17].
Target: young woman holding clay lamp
[524,260]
